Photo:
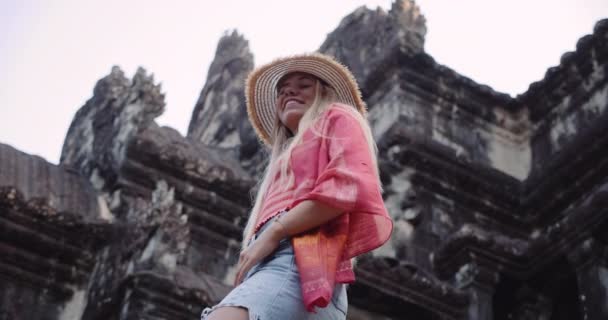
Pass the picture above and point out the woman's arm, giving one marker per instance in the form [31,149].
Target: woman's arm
[307,215]
[304,216]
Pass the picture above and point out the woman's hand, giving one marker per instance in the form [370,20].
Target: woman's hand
[258,250]
[305,216]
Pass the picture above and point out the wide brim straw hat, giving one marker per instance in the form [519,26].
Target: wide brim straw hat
[261,94]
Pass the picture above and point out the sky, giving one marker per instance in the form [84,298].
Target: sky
[52,52]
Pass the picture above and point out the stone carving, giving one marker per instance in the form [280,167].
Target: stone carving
[51,223]
[95,144]
[366,39]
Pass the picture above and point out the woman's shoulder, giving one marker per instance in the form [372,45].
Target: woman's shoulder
[336,117]
[338,110]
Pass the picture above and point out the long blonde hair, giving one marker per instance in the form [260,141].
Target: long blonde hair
[283,144]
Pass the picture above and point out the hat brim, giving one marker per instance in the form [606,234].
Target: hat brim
[260,90]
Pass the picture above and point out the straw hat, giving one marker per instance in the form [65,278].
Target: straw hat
[261,94]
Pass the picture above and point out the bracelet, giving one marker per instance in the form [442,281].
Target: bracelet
[285,233]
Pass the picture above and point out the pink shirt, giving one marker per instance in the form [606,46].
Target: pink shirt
[334,166]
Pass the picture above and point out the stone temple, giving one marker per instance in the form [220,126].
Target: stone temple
[500,204]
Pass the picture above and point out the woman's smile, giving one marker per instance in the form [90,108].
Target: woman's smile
[292,102]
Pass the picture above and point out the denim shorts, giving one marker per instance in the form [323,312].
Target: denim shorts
[271,290]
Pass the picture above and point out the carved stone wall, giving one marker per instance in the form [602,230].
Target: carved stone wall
[51,224]
[500,203]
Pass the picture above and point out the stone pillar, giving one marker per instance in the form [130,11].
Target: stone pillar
[480,281]
[589,261]
[531,305]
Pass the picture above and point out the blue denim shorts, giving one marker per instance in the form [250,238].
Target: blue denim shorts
[271,290]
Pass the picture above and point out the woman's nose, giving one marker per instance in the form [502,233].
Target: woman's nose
[290,91]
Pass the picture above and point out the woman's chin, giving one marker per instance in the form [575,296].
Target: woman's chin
[293,117]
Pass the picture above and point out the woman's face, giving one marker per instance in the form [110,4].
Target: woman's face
[295,94]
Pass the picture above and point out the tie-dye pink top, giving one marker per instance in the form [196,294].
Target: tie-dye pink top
[334,166]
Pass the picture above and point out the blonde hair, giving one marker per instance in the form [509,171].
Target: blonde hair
[283,143]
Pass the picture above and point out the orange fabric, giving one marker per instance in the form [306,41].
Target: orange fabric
[333,166]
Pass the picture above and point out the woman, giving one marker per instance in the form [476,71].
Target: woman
[319,204]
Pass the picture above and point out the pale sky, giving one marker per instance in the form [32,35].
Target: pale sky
[52,52]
